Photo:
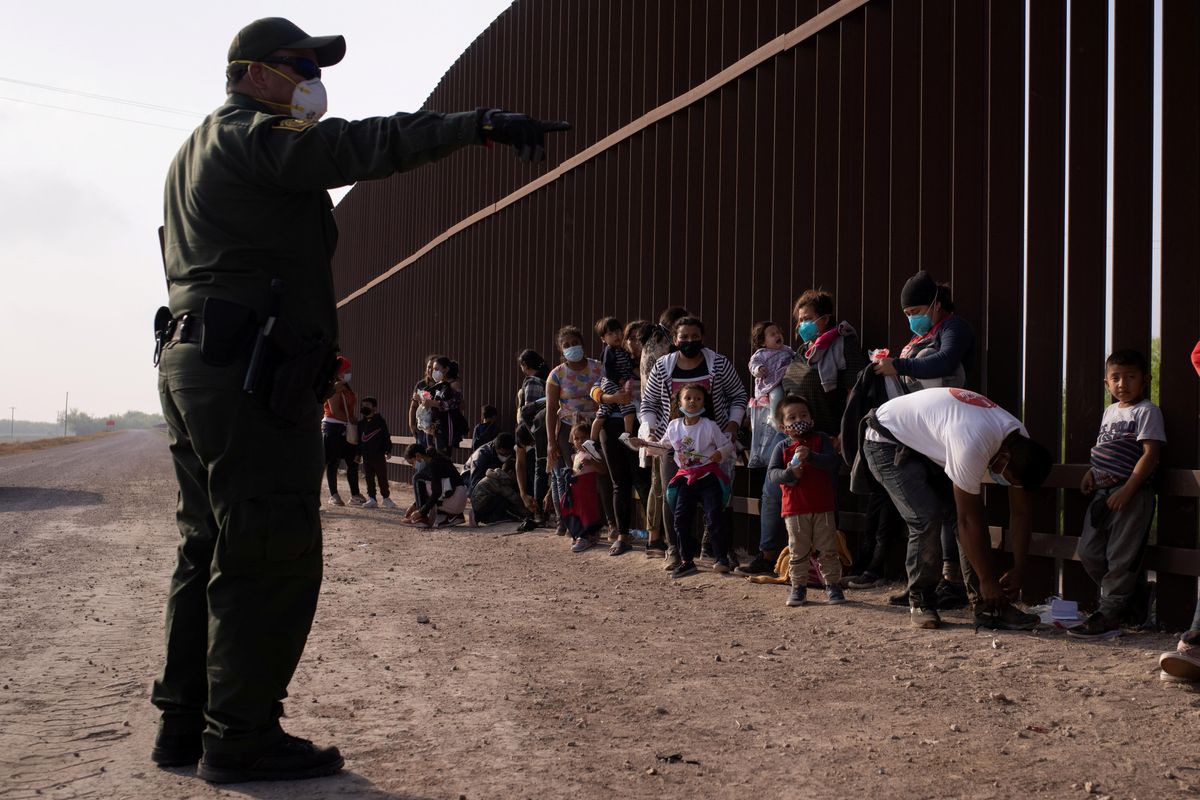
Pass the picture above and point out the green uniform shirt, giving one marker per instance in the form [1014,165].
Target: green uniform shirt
[246,202]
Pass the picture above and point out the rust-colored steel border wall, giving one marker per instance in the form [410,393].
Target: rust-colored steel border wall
[728,154]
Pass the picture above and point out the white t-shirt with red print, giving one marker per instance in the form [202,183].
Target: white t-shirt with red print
[959,430]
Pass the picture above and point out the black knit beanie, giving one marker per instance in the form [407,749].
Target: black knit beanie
[919,290]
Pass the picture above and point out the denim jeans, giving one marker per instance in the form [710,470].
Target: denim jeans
[772,532]
[708,492]
[763,434]
[922,510]
[928,515]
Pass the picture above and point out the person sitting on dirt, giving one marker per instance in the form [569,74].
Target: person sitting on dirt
[931,450]
[487,429]
[438,487]
[496,497]
[490,456]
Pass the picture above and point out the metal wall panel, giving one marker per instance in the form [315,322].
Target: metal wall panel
[889,140]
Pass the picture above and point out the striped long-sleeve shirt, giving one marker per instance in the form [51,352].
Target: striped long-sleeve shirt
[728,392]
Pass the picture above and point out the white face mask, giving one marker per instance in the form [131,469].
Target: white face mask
[309,100]
[345,377]
[437,375]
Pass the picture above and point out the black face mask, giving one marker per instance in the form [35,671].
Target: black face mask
[366,412]
[691,349]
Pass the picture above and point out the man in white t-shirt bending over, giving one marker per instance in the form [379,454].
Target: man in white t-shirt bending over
[912,445]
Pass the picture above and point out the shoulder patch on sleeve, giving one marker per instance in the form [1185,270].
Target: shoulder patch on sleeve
[296,125]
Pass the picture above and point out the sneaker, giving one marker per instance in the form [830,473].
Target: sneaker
[624,439]
[581,544]
[451,520]
[529,524]
[835,595]
[619,548]
[370,503]
[656,548]
[864,581]
[592,450]
[899,599]
[1183,663]
[684,569]
[758,566]
[672,563]
[176,749]
[1096,626]
[387,503]
[1167,677]
[357,500]
[925,618]
[1006,618]
[291,758]
[951,595]
[721,566]
[335,499]
[797,597]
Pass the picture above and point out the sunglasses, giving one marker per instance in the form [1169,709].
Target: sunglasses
[304,67]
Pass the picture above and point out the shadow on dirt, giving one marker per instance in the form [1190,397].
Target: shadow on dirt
[31,498]
[344,784]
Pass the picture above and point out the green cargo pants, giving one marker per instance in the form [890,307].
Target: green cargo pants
[248,572]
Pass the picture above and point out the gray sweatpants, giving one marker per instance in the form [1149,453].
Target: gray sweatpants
[1112,551]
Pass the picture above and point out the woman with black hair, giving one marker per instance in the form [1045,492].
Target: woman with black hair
[441,397]
[938,355]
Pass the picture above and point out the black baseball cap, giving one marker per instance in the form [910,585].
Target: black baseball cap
[264,36]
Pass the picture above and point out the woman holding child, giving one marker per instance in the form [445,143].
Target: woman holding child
[568,403]
[624,469]
[938,355]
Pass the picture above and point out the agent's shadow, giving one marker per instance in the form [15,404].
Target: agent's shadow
[35,498]
[344,784]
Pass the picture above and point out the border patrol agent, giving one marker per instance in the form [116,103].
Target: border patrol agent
[247,351]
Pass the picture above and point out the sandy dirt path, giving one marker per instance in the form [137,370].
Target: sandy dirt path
[541,674]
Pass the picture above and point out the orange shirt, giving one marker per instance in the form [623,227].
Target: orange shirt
[334,409]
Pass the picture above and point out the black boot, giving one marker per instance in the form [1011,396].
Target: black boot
[289,759]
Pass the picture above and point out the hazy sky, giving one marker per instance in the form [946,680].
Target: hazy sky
[82,195]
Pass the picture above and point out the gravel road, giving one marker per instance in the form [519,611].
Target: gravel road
[541,674]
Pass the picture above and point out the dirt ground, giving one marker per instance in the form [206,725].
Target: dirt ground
[543,674]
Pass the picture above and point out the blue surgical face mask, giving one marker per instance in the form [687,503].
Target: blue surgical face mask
[573,353]
[998,478]
[691,414]
[421,465]
[921,323]
[808,330]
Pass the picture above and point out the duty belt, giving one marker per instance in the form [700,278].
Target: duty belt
[188,329]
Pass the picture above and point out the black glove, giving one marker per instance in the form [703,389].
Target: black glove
[527,136]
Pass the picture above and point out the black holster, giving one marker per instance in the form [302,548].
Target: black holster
[297,374]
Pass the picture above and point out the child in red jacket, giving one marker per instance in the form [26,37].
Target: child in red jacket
[805,464]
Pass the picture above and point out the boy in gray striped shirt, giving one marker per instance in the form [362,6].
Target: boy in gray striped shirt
[1117,523]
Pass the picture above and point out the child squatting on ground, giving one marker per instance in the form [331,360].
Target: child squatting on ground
[700,446]
[804,465]
[1117,523]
